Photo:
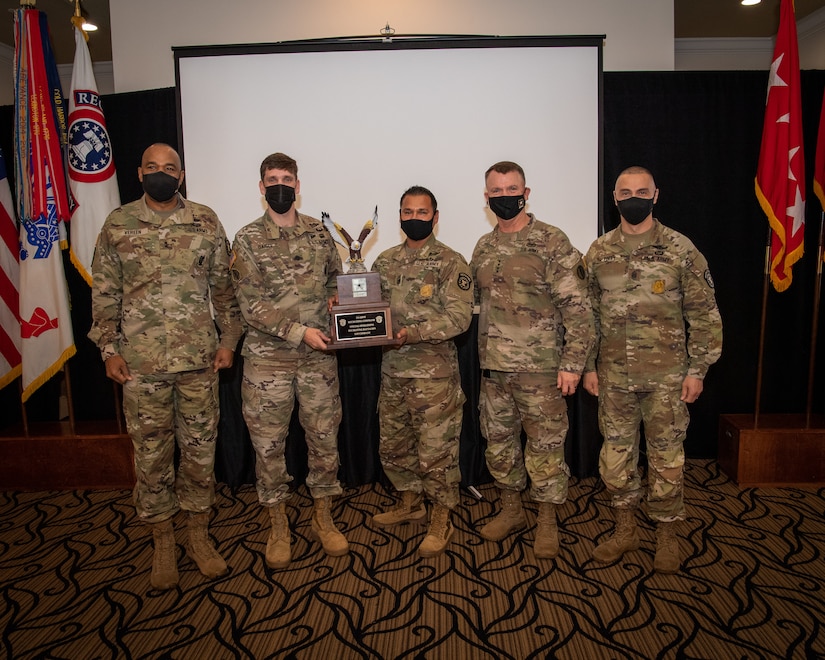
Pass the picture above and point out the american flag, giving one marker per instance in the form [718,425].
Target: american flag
[10,350]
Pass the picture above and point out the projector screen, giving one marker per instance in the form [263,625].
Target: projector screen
[367,120]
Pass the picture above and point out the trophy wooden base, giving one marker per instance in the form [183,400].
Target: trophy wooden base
[361,317]
[354,326]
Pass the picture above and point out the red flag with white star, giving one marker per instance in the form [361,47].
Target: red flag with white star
[780,175]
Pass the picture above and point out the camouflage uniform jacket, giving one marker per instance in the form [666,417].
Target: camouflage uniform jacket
[283,277]
[655,309]
[154,278]
[535,315]
[431,295]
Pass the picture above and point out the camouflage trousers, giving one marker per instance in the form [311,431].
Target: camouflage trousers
[163,408]
[510,402]
[269,391]
[666,421]
[420,422]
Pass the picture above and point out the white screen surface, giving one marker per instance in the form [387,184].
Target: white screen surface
[366,125]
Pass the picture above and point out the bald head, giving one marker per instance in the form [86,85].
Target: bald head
[638,170]
[635,195]
[160,153]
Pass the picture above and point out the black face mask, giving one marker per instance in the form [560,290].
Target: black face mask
[417,230]
[635,209]
[160,186]
[506,208]
[280,197]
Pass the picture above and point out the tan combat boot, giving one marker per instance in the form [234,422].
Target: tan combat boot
[667,549]
[164,562]
[438,534]
[409,509]
[546,545]
[334,542]
[277,545]
[623,539]
[510,518]
[201,549]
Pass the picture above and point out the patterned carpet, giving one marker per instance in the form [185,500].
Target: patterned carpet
[74,583]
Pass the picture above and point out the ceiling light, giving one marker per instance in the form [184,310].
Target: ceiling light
[748,3]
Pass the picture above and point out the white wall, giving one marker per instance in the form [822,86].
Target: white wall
[639,32]
[144,32]
[752,54]
[811,35]
[103,76]
[723,54]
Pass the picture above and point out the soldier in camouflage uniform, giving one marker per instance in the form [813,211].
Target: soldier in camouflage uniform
[421,401]
[284,270]
[658,332]
[158,263]
[535,332]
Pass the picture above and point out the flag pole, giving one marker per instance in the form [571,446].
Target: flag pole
[780,172]
[69,400]
[762,324]
[118,408]
[815,320]
[23,416]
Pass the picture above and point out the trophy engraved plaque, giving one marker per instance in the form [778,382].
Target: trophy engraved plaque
[361,317]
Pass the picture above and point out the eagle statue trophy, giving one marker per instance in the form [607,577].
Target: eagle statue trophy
[340,236]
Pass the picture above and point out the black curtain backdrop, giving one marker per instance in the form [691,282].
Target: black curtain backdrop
[699,132]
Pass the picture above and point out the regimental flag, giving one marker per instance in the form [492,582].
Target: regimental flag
[43,202]
[819,162]
[10,349]
[780,175]
[46,326]
[91,165]
[40,118]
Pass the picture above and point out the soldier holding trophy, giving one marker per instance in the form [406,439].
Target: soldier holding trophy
[430,292]
[284,270]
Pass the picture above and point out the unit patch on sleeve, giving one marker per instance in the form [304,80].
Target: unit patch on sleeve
[709,279]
